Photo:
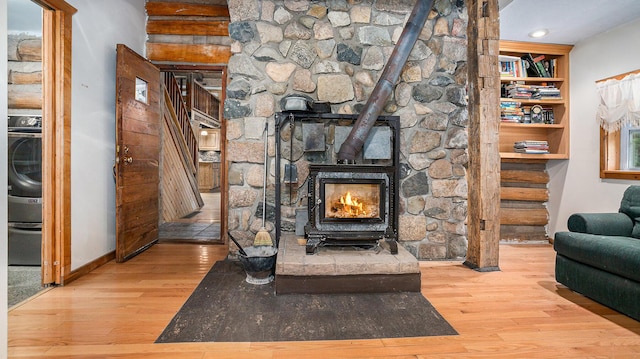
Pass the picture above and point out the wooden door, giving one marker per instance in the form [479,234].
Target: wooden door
[138,139]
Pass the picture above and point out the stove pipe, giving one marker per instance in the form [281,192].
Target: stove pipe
[354,142]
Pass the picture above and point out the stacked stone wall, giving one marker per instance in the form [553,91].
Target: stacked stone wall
[335,51]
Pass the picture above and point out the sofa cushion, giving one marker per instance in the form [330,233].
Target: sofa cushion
[630,205]
[606,224]
[614,254]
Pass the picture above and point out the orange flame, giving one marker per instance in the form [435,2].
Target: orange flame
[351,205]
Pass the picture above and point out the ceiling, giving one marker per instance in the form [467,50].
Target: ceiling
[568,21]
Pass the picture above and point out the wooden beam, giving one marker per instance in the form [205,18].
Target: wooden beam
[30,50]
[517,176]
[484,120]
[524,194]
[25,78]
[24,99]
[201,53]
[188,27]
[183,9]
[524,217]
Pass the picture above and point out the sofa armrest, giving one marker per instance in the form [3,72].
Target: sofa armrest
[606,224]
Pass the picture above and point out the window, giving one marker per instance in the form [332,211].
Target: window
[619,117]
[630,148]
[620,154]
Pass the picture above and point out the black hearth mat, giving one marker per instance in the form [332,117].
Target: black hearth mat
[224,308]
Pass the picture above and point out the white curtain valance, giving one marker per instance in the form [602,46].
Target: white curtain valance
[619,102]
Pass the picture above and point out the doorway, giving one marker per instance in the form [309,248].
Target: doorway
[24,127]
[202,90]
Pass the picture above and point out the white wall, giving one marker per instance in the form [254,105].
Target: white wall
[3,179]
[575,185]
[97,27]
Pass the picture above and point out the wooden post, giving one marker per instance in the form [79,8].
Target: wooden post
[483,33]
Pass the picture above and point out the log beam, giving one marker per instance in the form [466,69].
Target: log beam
[184,9]
[188,27]
[483,34]
[193,53]
[524,194]
[25,78]
[524,217]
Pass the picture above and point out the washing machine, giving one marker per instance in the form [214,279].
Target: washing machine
[25,190]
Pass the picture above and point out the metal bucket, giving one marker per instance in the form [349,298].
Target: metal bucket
[258,264]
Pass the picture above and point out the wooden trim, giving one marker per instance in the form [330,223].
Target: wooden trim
[610,158]
[621,175]
[57,5]
[620,76]
[87,268]
[224,165]
[56,193]
[534,48]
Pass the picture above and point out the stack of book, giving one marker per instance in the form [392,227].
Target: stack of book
[531,147]
[538,92]
[511,111]
[520,91]
[546,92]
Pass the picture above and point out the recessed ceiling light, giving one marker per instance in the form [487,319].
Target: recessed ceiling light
[538,33]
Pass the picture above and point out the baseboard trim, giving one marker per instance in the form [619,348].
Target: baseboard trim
[96,263]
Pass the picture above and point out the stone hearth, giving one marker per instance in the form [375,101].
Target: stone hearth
[344,269]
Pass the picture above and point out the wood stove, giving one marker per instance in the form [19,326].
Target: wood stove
[350,205]
[347,204]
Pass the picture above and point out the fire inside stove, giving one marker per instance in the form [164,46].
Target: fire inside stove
[352,200]
[351,205]
[346,200]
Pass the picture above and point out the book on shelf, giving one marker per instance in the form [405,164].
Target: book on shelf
[530,65]
[531,147]
[538,66]
[510,66]
[537,92]
[511,111]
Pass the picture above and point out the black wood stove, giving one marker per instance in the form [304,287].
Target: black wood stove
[347,204]
[351,205]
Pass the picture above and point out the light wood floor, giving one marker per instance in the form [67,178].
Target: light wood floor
[119,310]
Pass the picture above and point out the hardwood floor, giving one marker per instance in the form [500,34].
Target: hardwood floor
[118,310]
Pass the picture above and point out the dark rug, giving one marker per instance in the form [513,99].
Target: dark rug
[224,308]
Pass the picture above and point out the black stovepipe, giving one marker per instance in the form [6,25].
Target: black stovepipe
[352,146]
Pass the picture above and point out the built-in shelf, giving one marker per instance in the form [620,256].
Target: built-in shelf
[556,133]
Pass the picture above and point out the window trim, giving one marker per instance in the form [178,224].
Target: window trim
[610,158]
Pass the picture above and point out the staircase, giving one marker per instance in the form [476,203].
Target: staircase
[179,182]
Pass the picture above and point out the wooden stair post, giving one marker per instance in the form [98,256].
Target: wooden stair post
[483,224]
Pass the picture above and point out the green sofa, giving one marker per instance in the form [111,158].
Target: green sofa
[600,255]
